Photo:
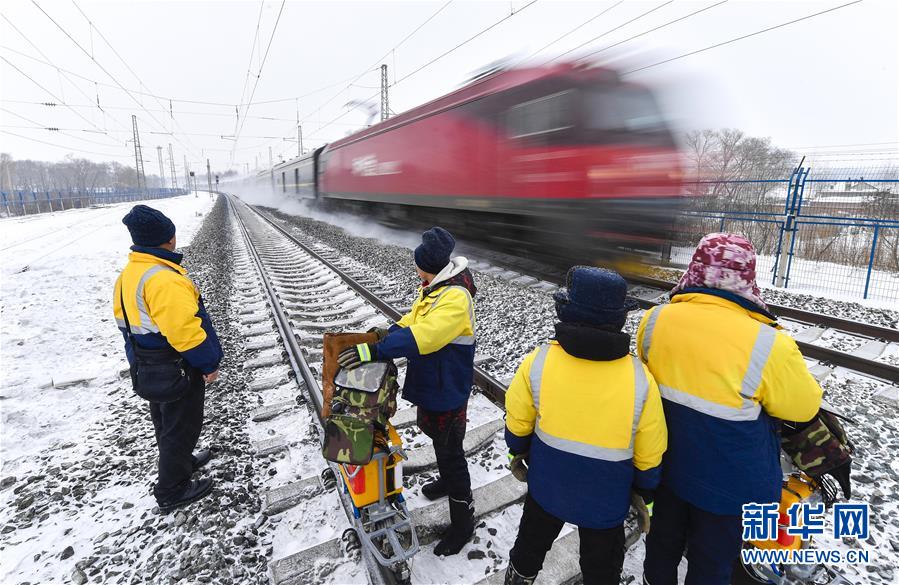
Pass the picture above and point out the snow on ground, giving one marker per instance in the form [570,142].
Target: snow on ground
[65,489]
[512,319]
[61,348]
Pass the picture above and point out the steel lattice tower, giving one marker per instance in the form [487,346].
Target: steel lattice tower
[385,102]
[138,157]
[172,167]
[161,167]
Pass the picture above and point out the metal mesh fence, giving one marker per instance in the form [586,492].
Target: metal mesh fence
[31,202]
[831,230]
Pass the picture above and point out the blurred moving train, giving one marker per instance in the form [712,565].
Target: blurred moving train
[565,162]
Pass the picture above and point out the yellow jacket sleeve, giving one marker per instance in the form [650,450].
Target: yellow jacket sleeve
[521,415]
[445,321]
[406,319]
[173,306]
[651,439]
[641,330]
[788,390]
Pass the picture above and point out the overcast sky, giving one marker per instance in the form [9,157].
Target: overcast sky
[826,84]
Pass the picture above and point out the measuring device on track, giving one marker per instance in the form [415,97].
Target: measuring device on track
[359,439]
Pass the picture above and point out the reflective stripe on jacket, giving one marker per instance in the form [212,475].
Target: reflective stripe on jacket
[165,309]
[593,428]
[437,336]
[723,372]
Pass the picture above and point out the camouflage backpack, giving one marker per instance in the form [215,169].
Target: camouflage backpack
[818,446]
[364,400]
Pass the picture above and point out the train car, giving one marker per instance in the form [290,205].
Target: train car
[567,162]
[295,178]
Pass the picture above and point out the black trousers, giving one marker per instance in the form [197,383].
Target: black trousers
[447,431]
[712,542]
[601,552]
[177,426]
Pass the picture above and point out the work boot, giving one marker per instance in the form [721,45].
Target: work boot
[195,490]
[434,490]
[461,527]
[201,458]
[513,577]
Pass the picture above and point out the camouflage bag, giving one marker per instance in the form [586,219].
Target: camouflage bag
[364,400]
[818,446]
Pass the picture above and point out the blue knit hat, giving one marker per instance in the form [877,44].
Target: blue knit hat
[594,296]
[148,227]
[434,252]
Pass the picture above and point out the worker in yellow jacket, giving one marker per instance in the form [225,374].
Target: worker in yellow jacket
[172,348]
[588,417]
[726,372]
[437,336]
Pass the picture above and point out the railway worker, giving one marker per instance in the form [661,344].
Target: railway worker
[437,338]
[588,417]
[726,372]
[164,319]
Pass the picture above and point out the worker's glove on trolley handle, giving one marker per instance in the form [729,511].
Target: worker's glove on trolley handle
[357,355]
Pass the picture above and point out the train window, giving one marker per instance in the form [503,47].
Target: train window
[551,113]
[622,109]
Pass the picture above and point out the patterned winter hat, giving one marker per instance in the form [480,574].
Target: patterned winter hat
[725,262]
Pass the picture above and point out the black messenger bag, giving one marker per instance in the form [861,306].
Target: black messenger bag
[158,375]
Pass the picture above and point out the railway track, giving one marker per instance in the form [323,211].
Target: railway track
[307,292]
[310,288]
[811,330]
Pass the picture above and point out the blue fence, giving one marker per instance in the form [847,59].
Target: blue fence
[30,202]
[837,235]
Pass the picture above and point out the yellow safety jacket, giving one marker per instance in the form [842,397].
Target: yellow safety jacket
[724,370]
[437,336]
[165,308]
[593,428]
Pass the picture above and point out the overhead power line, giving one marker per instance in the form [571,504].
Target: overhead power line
[611,30]
[670,22]
[50,93]
[102,68]
[572,31]
[127,66]
[740,38]
[258,75]
[57,145]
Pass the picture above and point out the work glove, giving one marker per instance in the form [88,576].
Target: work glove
[518,464]
[356,355]
[841,474]
[643,508]
[380,331]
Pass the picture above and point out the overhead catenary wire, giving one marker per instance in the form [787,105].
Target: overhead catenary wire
[60,71]
[435,59]
[571,31]
[740,38]
[106,71]
[60,146]
[93,27]
[661,26]
[258,75]
[50,93]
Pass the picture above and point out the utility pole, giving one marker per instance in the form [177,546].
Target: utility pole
[299,140]
[385,103]
[172,167]
[161,167]
[138,157]
[208,176]
[271,167]
[187,173]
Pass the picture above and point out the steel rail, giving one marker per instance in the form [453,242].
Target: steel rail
[380,575]
[809,317]
[492,388]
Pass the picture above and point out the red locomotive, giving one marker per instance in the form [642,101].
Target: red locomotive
[565,161]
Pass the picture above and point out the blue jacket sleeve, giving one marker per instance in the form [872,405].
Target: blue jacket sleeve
[206,356]
[648,479]
[517,445]
[399,343]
